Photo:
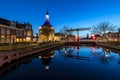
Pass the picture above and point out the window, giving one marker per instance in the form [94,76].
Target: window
[8,31]
[24,33]
[27,27]
[17,33]
[2,30]
[28,33]
[2,39]
[13,24]
[8,39]
[20,33]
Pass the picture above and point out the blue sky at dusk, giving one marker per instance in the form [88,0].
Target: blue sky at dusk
[75,13]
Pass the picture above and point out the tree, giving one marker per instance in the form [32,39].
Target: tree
[102,28]
[67,33]
[64,29]
[47,31]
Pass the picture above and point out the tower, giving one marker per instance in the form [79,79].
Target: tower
[46,31]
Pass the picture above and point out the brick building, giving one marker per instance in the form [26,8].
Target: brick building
[11,31]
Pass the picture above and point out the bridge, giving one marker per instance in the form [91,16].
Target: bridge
[78,41]
[77,30]
[82,42]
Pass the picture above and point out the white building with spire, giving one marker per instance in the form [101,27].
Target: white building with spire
[47,26]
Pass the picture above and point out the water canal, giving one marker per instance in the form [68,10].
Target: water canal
[70,63]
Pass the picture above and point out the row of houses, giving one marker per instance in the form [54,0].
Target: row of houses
[11,31]
[113,36]
[109,36]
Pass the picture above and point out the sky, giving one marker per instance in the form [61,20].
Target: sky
[72,13]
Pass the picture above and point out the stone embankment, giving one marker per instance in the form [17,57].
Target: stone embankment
[116,47]
[8,56]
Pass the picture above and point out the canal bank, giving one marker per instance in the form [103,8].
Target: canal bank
[81,43]
[9,56]
[109,46]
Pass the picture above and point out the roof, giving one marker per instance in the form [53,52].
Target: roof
[18,25]
[59,34]
[4,22]
[47,23]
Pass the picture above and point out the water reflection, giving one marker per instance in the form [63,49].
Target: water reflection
[103,55]
[79,63]
[118,57]
[73,53]
[46,59]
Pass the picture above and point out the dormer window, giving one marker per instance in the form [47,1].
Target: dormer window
[27,27]
[12,24]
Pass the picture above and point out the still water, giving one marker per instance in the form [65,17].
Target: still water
[66,63]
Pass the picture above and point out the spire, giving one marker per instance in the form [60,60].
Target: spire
[47,16]
[47,13]
[47,22]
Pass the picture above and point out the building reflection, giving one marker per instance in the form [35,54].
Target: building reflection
[103,55]
[118,57]
[46,59]
[72,52]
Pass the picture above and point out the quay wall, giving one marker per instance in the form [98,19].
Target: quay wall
[7,57]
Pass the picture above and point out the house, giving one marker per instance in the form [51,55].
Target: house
[11,31]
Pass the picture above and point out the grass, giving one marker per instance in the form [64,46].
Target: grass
[15,46]
[21,45]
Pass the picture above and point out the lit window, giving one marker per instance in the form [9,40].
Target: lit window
[2,39]
[28,39]
[28,33]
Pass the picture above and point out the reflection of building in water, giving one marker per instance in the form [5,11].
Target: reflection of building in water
[46,59]
[74,54]
[102,55]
